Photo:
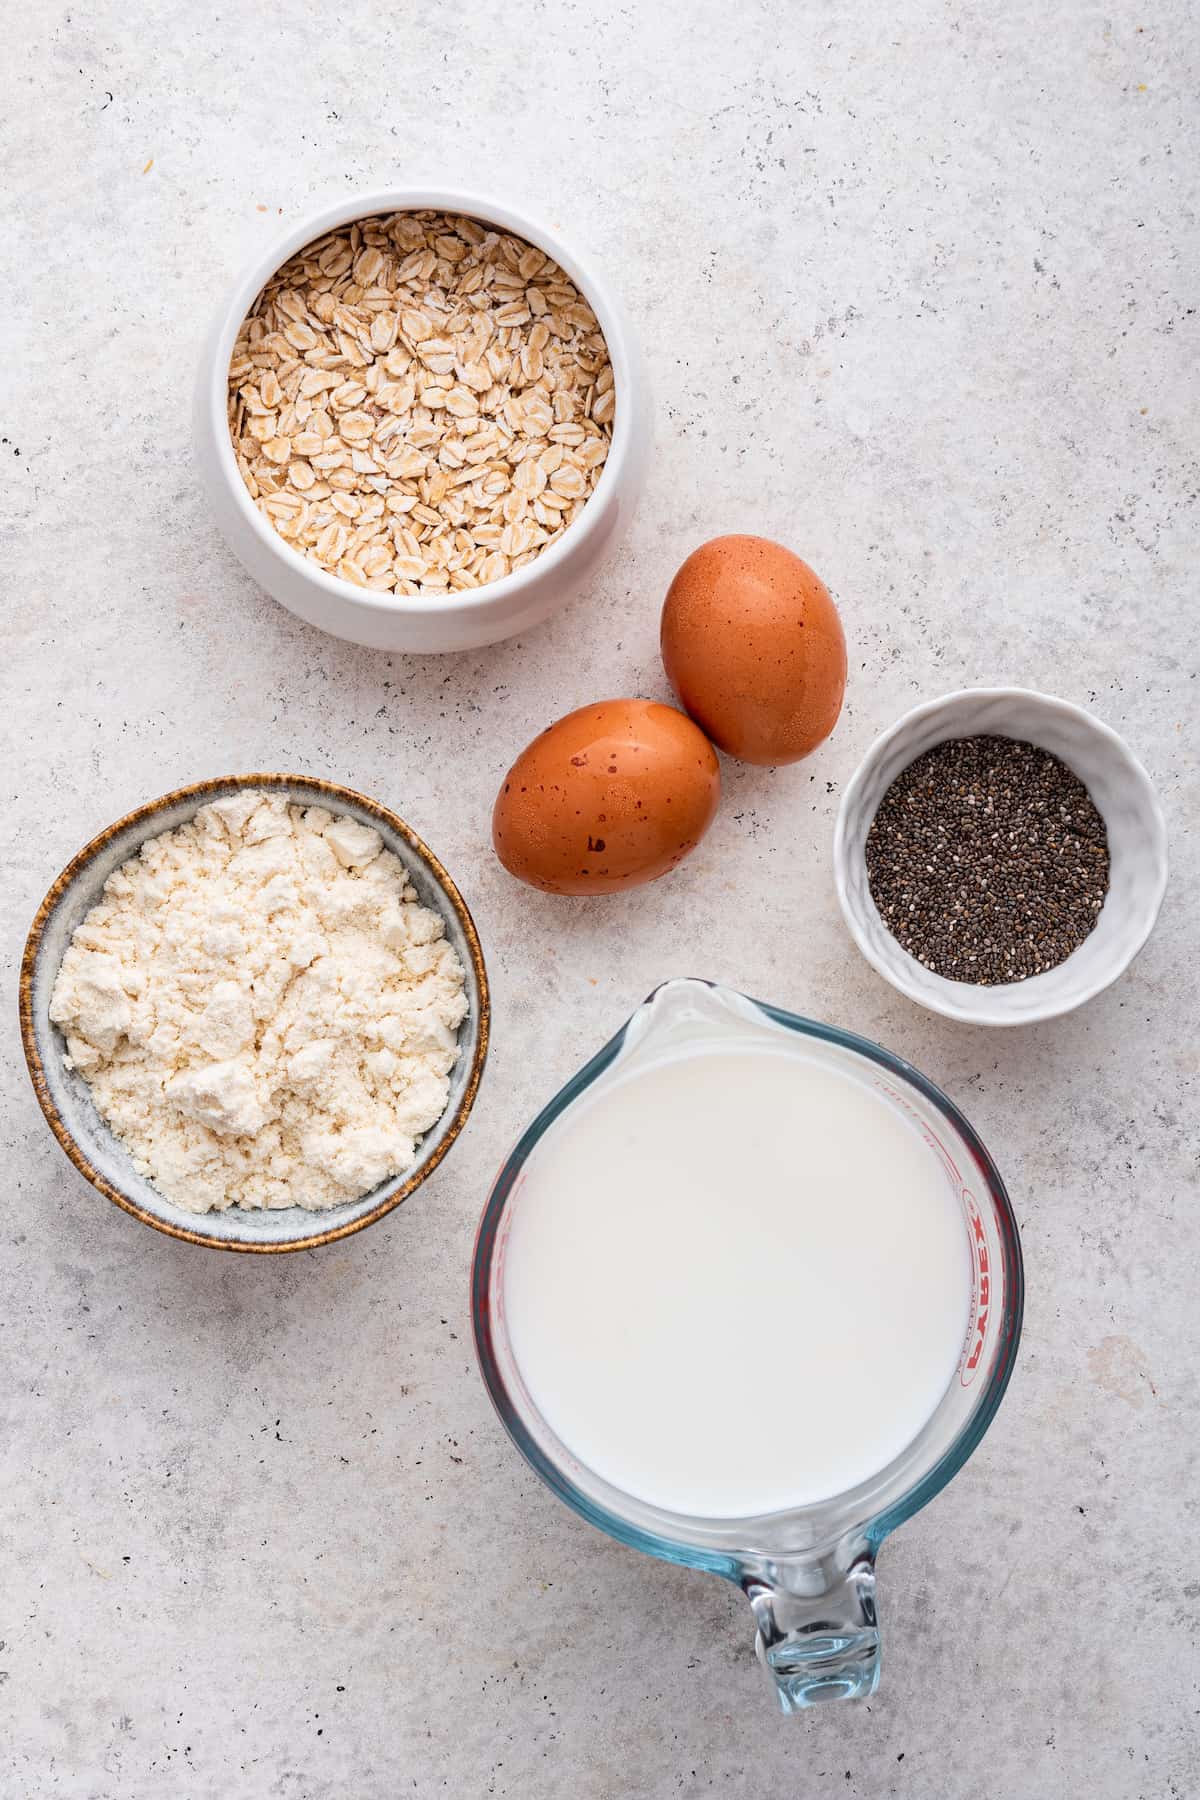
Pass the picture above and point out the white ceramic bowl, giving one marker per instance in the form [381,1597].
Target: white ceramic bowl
[425,622]
[65,1097]
[1137,845]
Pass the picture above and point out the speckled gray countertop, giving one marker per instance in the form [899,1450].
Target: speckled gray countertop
[917,290]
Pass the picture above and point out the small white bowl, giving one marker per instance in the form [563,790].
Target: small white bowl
[1137,847]
[425,622]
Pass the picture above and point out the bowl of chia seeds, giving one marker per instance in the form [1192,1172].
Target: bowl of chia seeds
[1000,856]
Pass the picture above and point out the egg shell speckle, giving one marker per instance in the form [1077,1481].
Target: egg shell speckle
[611,796]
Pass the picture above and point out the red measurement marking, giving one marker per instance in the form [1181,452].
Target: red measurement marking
[981,1294]
[981,1273]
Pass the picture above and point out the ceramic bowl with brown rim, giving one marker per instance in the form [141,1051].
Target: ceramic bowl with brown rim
[66,1099]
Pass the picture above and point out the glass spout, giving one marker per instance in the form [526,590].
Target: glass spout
[817,1636]
[684,1012]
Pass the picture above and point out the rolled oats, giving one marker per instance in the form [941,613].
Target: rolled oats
[420,403]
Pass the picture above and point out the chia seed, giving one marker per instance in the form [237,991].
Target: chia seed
[988,860]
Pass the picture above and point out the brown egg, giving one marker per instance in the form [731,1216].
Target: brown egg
[753,646]
[612,796]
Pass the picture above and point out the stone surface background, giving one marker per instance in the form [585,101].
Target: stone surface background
[917,288]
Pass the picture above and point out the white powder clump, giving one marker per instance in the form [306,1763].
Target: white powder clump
[265,1014]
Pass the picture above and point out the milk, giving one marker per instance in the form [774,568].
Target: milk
[737,1281]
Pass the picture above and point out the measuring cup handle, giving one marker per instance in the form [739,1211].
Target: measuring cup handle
[821,1643]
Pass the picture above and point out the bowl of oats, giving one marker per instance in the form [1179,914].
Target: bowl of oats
[422,421]
[255,1012]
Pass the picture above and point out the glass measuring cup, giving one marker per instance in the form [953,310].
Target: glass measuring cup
[808,1572]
